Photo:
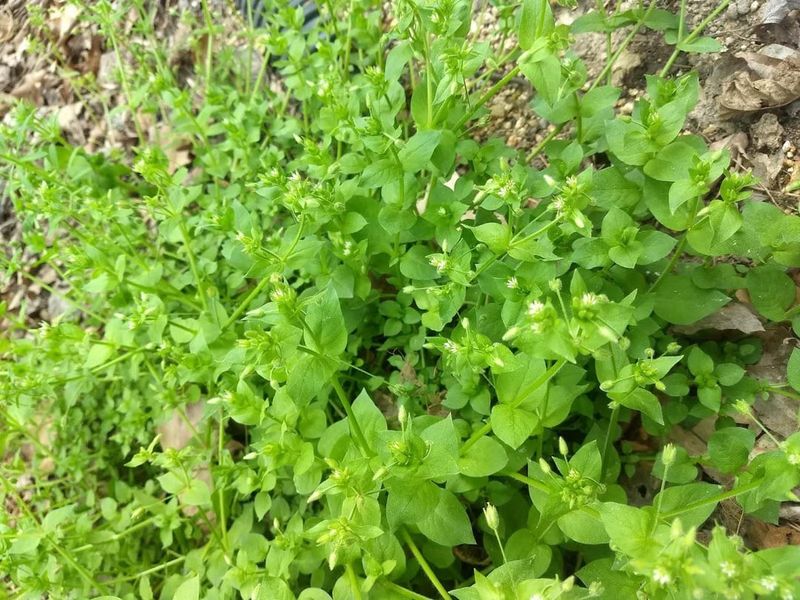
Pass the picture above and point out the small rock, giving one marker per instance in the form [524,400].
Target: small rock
[743,6]
[732,14]
[767,132]
[766,167]
[754,6]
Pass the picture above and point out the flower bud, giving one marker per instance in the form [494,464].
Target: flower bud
[563,448]
[742,407]
[492,518]
[669,454]
[544,466]
[402,416]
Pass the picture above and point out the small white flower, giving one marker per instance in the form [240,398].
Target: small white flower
[793,458]
[347,248]
[661,576]
[534,308]
[536,597]
[589,299]
[768,583]
[439,263]
[728,569]
[451,346]
[512,283]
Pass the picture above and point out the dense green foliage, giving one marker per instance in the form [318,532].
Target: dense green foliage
[415,354]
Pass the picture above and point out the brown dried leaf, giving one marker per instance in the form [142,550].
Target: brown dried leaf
[30,88]
[731,317]
[766,79]
[7,26]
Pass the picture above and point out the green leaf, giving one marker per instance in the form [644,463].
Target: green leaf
[642,400]
[655,246]
[307,377]
[442,457]
[188,590]
[516,387]
[513,425]
[381,172]
[98,354]
[369,417]
[415,264]
[682,470]
[536,20]
[771,291]
[674,499]
[197,494]
[702,44]
[681,302]
[325,332]
[672,162]
[730,447]
[436,512]
[26,542]
[418,150]
[629,528]
[484,458]
[495,235]
[793,369]
[419,104]
[56,517]
[611,188]
[397,58]
[544,73]
[720,224]
[583,527]
[699,362]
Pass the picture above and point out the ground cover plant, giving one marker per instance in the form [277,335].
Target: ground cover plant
[408,363]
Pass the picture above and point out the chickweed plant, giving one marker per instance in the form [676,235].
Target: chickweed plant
[418,360]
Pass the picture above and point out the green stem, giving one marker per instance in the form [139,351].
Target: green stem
[221,488]
[402,591]
[534,483]
[690,38]
[351,577]
[628,39]
[193,266]
[676,254]
[660,497]
[783,391]
[425,566]
[361,441]
[156,569]
[612,423]
[712,500]
[537,150]
[245,303]
[500,543]
[209,45]
[490,93]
